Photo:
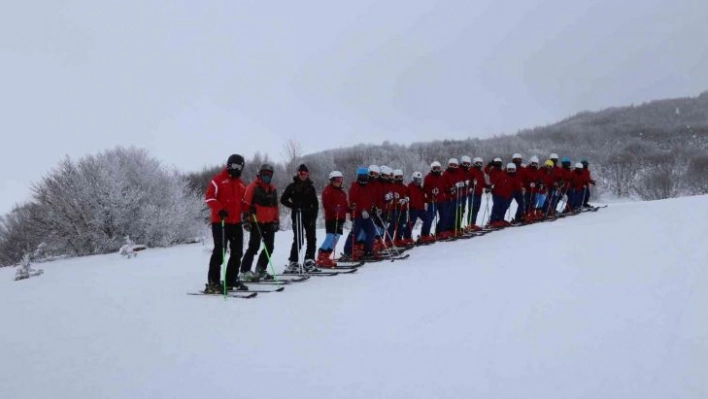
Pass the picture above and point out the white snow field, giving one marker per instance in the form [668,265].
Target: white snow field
[602,305]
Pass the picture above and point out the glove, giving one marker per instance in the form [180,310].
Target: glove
[275,226]
[403,201]
[532,184]
[247,226]
[223,214]
[364,214]
[592,182]
[396,195]
[435,191]
[460,184]
[388,196]
[453,189]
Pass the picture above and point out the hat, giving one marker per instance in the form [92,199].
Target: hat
[302,168]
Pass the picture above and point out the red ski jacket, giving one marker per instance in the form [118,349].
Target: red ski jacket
[506,185]
[226,192]
[435,188]
[478,175]
[334,202]
[262,199]
[548,180]
[377,189]
[452,178]
[400,191]
[579,180]
[417,197]
[361,197]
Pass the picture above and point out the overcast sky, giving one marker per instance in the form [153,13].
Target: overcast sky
[193,81]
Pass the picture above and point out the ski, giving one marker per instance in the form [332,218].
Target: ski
[278,289]
[344,266]
[319,274]
[399,257]
[229,294]
[282,279]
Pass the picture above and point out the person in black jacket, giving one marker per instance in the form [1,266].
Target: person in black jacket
[300,196]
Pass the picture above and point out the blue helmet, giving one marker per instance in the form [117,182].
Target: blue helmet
[362,170]
[565,160]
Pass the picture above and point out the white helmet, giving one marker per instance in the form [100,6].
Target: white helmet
[553,156]
[453,161]
[511,166]
[335,173]
[579,165]
[534,159]
[417,175]
[517,156]
[435,164]
[374,169]
[385,170]
[465,159]
[397,172]
[478,160]
[497,160]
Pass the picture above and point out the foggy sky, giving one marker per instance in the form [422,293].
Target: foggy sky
[193,81]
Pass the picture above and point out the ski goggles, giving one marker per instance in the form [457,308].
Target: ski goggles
[436,169]
[398,178]
[303,173]
[374,175]
[267,173]
[235,166]
[453,166]
[337,179]
[466,164]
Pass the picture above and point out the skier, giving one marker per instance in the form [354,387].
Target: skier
[477,186]
[455,183]
[586,171]
[505,186]
[531,178]
[418,210]
[301,197]
[224,196]
[335,205]
[436,193]
[362,206]
[399,209]
[579,184]
[262,200]
[520,198]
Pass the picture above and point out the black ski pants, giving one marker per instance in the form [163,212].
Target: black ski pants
[259,232]
[302,234]
[232,236]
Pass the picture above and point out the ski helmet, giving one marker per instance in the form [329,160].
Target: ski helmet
[553,156]
[265,172]
[549,163]
[398,174]
[478,161]
[579,165]
[362,175]
[517,156]
[335,174]
[584,162]
[533,160]
[511,167]
[417,177]
[386,172]
[374,171]
[566,160]
[435,164]
[235,164]
[466,161]
[453,161]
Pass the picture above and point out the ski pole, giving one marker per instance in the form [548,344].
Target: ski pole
[386,235]
[223,255]
[336,236]
[265,247]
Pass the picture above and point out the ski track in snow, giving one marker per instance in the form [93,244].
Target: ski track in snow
[602,305]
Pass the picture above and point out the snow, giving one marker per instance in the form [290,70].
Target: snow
[602,305]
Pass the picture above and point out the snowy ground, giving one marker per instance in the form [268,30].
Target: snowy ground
[603,305]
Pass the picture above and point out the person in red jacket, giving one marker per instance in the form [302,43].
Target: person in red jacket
[399,210]
[586,171]
[455,184]
[262,200]
[336,206]
[532,175]
[362,204]
[436,192]
[418,210]
[477,185]
[579,184]
[505,186]
[224,196]
[546,187]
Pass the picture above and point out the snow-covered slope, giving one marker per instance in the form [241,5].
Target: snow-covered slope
[602,305]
